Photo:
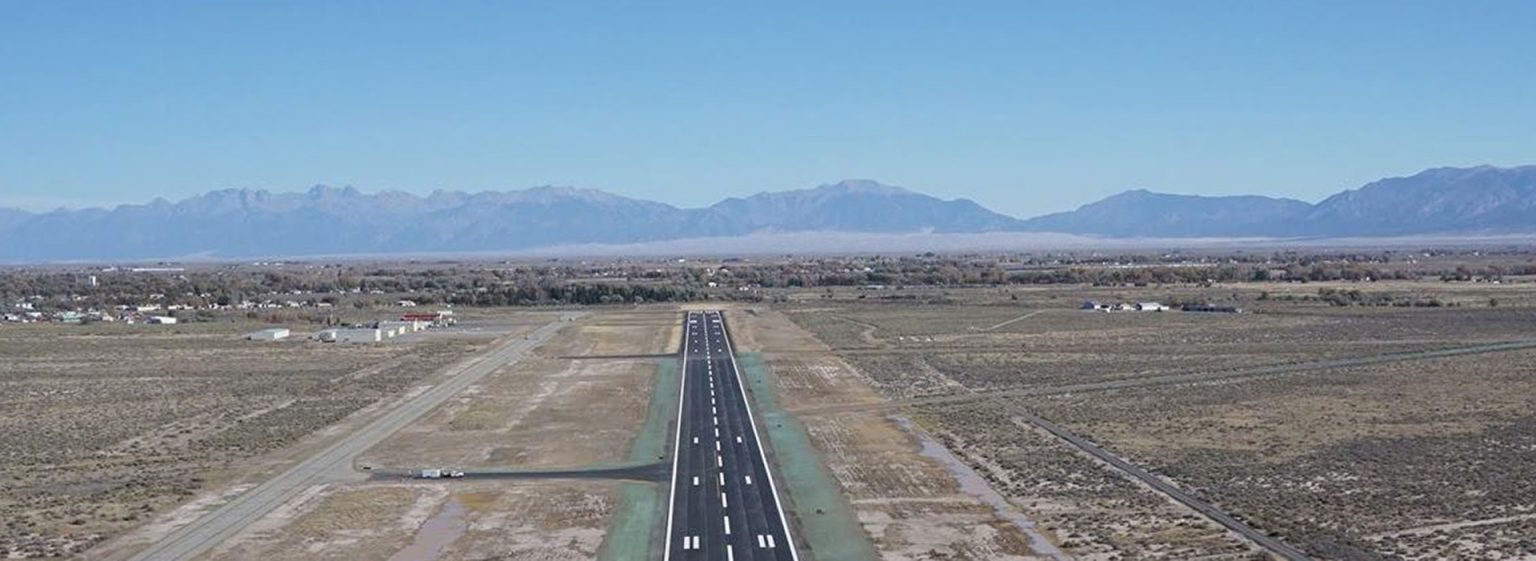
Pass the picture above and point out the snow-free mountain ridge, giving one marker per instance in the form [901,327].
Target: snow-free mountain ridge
[235,223]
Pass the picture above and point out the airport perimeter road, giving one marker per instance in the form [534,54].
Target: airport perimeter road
[213,528]
[724,506]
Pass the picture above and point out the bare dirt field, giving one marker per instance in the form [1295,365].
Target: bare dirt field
[535,414]
[424,521]
[908,403]
[1057,346]
[105,427]
[909,506]
[558,408]
[1413,458]
[539,413]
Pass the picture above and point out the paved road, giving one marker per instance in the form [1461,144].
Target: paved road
[724,505]
[213,528]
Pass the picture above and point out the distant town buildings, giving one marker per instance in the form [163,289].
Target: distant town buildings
[1123,306]
[410,322]
[1094,305]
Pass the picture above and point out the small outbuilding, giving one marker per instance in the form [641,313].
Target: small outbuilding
[351,335]
[273,334]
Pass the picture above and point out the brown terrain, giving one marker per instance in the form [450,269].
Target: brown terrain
[936,417]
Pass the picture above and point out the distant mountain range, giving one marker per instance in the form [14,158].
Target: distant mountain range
[1141,213]
[336,221]
[240,223]
[1478,200]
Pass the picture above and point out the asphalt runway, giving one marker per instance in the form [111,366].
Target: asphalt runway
[333,463]
[724,504]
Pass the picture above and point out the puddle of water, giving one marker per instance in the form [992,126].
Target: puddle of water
[974,484]
[435,534]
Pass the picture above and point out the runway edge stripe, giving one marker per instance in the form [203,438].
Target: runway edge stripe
[677,441]
[730,345]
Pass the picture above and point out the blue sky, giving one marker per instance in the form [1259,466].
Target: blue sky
[1026,107]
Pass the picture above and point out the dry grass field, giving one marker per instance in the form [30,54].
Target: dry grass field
[104,427]
[433,521]
[558,408]
[1091,511]
[911,505]
[911,400]
[539,413]
[1409,458]
[1346,462]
